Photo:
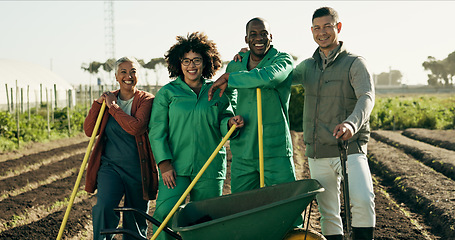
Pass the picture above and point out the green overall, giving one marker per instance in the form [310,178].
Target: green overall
[186,128]
[272,76]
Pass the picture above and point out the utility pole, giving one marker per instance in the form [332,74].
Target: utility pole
[109,29]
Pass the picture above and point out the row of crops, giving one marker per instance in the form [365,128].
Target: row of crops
[390,113]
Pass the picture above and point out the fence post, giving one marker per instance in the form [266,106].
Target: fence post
[12,100]
[90,92]
[40,95]
[7,98]
[48,117]
[85,98]
[37,107]
[51,108]
[28,101]
[70,98]
[55,96]
[17,116]
[68,112]
[22,100]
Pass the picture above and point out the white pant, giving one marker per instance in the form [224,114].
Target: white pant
[328,172]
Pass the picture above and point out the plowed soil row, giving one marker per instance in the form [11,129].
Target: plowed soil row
[419,176]
[413,200]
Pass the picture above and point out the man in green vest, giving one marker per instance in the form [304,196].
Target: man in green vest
[270,70]
[339,97]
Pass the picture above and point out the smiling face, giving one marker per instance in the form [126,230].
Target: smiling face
[193,72]
[258,38]
[325,32]
[126,76]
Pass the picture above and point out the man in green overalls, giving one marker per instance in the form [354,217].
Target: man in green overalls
[270,70]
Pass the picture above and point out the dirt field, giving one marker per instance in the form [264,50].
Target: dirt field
[413,175]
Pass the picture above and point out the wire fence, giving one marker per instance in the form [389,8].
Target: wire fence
[63,110]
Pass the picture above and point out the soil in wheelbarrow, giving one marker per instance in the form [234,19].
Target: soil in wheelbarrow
[414,200]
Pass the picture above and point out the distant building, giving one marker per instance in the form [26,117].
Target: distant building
[34,77]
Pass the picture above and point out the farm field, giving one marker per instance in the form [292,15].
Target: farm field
[413,174]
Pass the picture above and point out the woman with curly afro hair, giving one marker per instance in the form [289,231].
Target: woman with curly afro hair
[185,127]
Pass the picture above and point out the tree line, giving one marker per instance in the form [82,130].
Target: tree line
[442,71]
[108,66]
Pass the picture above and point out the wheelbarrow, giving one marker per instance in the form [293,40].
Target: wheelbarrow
[264,213]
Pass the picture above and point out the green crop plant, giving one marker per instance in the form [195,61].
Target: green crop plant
[402,112]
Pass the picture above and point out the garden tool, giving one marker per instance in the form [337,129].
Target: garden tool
[343,148]
[81,170]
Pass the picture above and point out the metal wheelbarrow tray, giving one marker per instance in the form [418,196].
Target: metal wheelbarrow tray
[265,213]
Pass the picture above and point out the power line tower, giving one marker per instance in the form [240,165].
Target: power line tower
[109,29]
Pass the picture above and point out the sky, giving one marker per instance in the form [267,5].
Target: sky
[63,35]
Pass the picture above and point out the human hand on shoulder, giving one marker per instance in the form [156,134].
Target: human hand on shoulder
[239,57]
[221,83]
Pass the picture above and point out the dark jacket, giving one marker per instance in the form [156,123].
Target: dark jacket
[136,125]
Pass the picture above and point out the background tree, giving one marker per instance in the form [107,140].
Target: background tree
[451,66]
[154,62]
[156,65]
[92,67]
[442,71]
[109,65]
[392,78]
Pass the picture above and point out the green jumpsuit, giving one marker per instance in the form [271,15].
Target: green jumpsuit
[186,128]
[273,77]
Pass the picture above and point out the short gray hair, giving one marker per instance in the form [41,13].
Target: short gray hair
[121,60]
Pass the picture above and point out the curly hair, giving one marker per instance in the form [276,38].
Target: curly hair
[198,43]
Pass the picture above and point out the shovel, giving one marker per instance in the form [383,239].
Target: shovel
[343,148]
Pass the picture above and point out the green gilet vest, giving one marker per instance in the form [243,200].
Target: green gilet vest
[329,100]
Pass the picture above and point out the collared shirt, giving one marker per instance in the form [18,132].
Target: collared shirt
[186,128]
[273,76]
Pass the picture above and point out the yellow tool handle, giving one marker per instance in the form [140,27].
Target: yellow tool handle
[81,171]
[260,138]
[187,191]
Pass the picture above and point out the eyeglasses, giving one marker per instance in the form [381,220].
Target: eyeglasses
[326,27]
[196,61]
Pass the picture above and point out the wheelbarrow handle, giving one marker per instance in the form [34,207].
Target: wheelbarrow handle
[122,231]
[343,148]
[188,189]
[151,219]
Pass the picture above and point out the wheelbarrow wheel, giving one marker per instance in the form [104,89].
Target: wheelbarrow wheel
[299,234]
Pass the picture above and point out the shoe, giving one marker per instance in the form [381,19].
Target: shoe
[362,233]
[334,237]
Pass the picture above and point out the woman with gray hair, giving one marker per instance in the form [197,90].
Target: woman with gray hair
[122,163]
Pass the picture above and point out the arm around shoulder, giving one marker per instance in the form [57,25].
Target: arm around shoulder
[274,72]
[298,73]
